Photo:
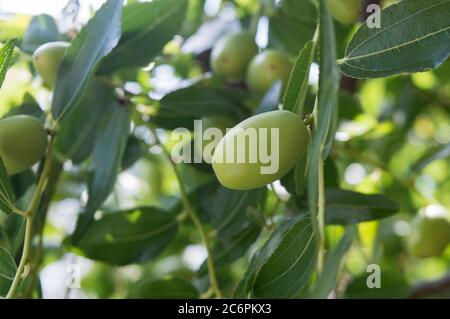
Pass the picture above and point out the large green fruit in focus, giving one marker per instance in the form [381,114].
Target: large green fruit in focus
[23,141]
[266,68]
[47,58]
[251,170]
[430,232]
[206,147]
[232,54]
[345,11]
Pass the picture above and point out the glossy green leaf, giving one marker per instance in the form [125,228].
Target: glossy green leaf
[260,257]
[329,276]
[180,108]
[146,28]
[78,131]
[289,267]
[6,191]
[130,236]
[82,58]
[42,29]
[5,58]
[107,156]
[7,265]
[326,108]
[173,288]
[347,207]
[433,154]
[229,210]
[293,24]
[393,286]
[297,88]
[8,269]
[414,37]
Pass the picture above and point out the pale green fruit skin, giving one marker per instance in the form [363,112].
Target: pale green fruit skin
[220,123]
[232,54]
[293,141]
[430,235]
[23,141]
[47,58]
[266,68]
[345,11]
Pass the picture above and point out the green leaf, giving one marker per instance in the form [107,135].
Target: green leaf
[260,257]
[7,265]
[173,288]
[180,108]
[131,236]
[42,29]
[233,248]
[107,156]
[433,154]
[293,24]
[393,286]
[5,58]
[326,108]
[146,28]
[290,265]
[229,210]
[6,191]
[297,88]
[8,270]
[329,276]
[82,58]
[414,37]
[346,207]
[78,131]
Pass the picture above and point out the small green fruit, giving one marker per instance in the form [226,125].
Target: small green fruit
[47,58]
[345,11]
[260,150]
[232,54]
[430,232]
[266,68]
[23,141]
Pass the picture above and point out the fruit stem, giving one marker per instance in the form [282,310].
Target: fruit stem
[321,218]
[195,219]
[42,183]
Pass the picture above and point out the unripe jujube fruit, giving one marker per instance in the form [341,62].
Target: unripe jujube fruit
[430,232]
[292,141]
[345,11]
[232,54]
[23,141]
[47,58]
[266,68]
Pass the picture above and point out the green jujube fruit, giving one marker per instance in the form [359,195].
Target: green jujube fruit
[264,158]
[23,141]
[47,58]
[345,11]
[430,232]
[266,68]
[231,55]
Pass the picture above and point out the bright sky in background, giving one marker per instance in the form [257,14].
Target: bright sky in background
[52,7]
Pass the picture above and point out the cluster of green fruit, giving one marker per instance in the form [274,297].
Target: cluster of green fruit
[23,138]
[234,58]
